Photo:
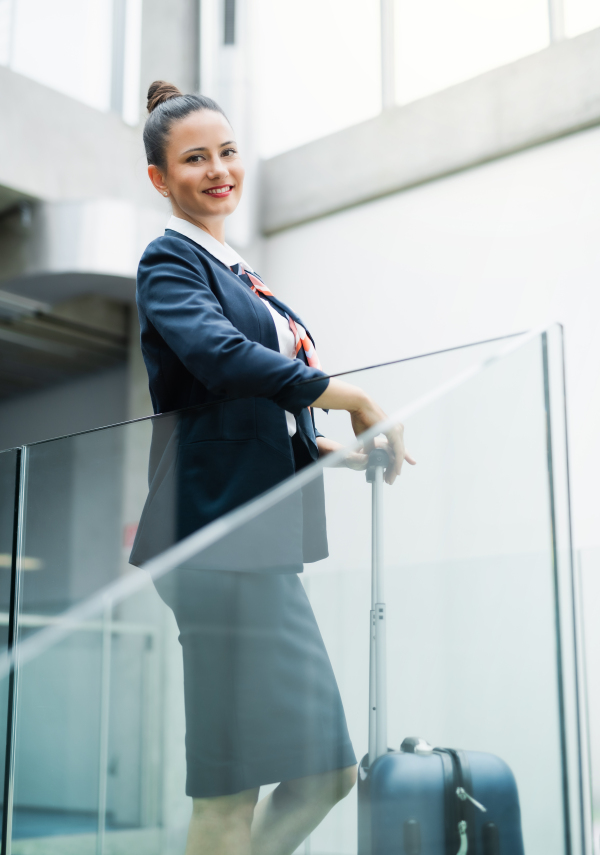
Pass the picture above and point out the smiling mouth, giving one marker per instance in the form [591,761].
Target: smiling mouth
[225,190]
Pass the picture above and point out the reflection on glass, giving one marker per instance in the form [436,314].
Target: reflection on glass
[233,672]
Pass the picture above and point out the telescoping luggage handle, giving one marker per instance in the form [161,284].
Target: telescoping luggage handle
[377,461]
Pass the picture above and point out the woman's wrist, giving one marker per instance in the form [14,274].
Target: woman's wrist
[342,396]
[327,446]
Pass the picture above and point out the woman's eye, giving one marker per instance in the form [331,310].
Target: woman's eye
[229,151]
[195,158]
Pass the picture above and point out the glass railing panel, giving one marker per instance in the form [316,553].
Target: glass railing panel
[82,493]
[58,712]
[470,590]
[396,384]
[273,682]
[9,472]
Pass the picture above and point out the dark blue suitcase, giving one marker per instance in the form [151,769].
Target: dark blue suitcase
[437,801]
[423,800]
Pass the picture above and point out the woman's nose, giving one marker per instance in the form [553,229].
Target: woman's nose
[217,169]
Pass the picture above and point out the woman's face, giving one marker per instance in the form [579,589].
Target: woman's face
[205,174]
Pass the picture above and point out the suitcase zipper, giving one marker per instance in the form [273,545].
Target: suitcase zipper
[463,796]
[464,841]
[459,811]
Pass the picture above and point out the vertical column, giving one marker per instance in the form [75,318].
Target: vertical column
[226,69]
[126,59]
[132,60]
[388,57]
[7,17]
[556,18]
[118,55]
[170,38]
[209,41]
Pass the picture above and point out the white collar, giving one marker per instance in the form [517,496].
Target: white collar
[222,252]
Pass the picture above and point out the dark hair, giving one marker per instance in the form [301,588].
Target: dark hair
[167,105]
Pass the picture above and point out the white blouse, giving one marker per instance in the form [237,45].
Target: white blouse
[228,256]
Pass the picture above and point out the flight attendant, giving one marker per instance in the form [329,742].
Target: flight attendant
[261,701]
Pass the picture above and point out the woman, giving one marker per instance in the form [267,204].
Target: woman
[262,705]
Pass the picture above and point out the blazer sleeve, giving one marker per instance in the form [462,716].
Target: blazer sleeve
[174,293]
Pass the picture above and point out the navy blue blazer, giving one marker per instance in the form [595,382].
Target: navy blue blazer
[211,349]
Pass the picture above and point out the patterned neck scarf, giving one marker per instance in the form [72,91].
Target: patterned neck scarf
[301,337]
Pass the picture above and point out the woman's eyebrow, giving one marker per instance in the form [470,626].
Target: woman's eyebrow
[204,148]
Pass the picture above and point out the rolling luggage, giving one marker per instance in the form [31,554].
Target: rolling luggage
[423,800]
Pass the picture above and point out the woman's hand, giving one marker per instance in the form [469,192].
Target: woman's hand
[353,460]
[364,414]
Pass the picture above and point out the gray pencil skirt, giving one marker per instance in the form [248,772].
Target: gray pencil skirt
[261,700]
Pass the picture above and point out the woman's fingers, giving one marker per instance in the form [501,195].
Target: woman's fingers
[399,454]
[396,437]
[368,415]
[355,460]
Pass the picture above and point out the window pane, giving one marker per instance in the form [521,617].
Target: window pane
[440,43]
[581,16]
[316,68]
[65,44]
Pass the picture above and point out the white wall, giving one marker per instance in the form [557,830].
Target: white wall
[489,251]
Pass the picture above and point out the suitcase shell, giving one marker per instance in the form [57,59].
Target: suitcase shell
[407,805]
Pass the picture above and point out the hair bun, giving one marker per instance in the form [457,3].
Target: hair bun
[159,91]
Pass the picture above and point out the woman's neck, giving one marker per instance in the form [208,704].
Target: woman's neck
[214,227]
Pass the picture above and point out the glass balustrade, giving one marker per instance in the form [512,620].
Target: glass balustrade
[237,653]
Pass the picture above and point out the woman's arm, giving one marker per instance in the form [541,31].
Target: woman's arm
[364,413]
[175,295]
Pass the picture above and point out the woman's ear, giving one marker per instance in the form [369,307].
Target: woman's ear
[157,178]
